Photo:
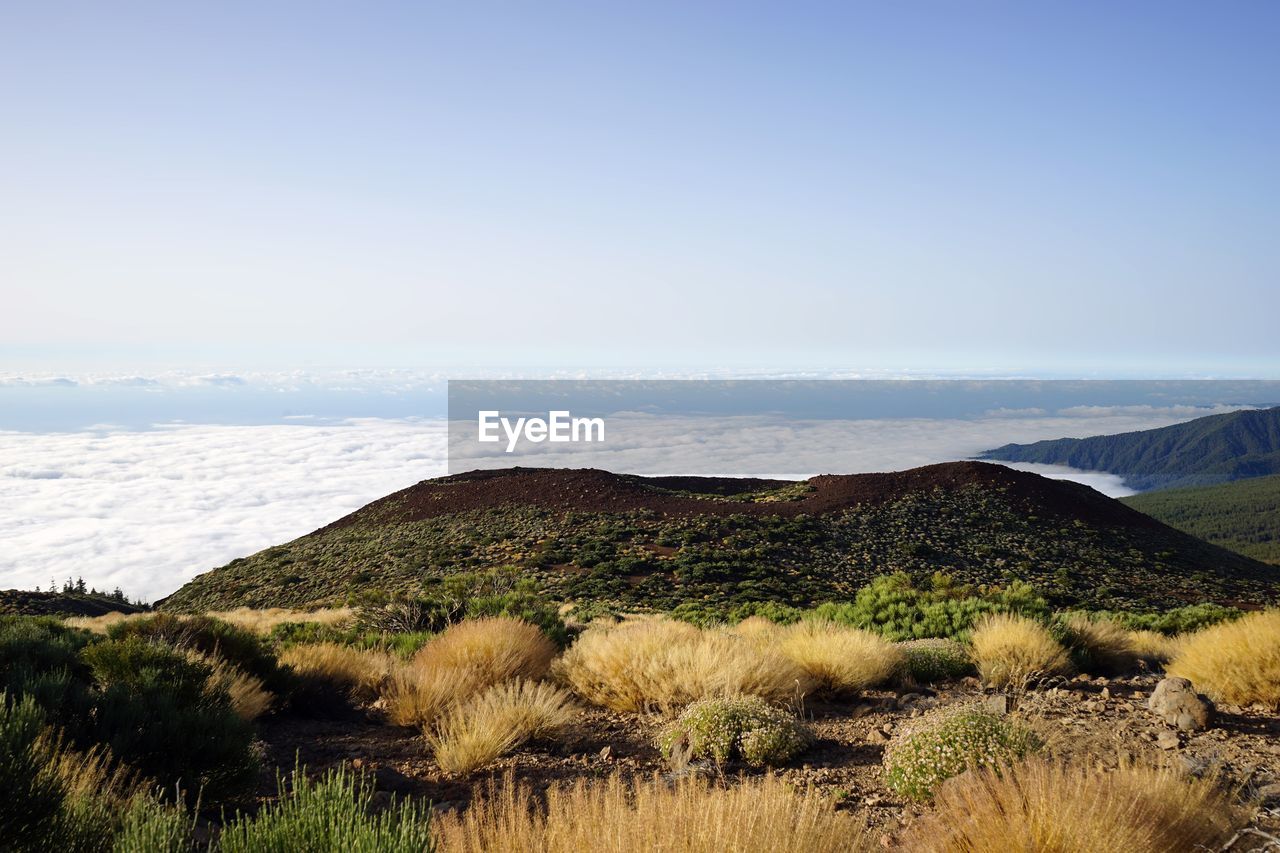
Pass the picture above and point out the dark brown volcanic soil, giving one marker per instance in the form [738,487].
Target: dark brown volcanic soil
[593,490]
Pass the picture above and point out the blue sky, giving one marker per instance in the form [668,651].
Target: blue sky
[1084,188]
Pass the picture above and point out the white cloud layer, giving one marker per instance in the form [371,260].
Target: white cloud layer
[148,510]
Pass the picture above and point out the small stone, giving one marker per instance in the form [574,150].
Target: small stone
[997,703]
[877,737]
[1269,795]
[606,753]
[1106,693]
[1167,740]
[887,728]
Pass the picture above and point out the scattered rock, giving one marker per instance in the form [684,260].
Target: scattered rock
[606,753]
[997,703]
[1176,702]
[877,737]
[1269,795]
[1167,740]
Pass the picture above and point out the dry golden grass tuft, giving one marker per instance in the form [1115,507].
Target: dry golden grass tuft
[840,660]
[487,726]
[250,698]
[690,816]
[757,628]
[1042,805]
[1108,648]
[661,663]
[1154,647]
[100,624]
[463,660]
[263,621]
[1011,651]
[1236,662]
[338,670]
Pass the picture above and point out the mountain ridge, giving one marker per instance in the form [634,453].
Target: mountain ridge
[1200,452]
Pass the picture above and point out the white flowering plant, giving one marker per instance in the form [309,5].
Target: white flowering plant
[745,727]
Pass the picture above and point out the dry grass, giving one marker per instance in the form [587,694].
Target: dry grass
[462,661]
[482,729]
[1234,662]
[757,628]
[100,624]
[1107,646]
[838,659]
[263,621]
[1011,651]
[690,816]
[1154,647]
[249,696]
[339,670]
[1039,805]
[664,664]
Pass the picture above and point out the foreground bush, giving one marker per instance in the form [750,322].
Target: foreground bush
[499,720]
[30,794]
[743,727]
[839,660]
[690,816]
[1100,646]
[1039,805]
[211,637]
[661,663]
[331,814]
[936,747]
[932,660]
[159,710]
[1013,650]
[1154,647]
[1235,662]
[462,661]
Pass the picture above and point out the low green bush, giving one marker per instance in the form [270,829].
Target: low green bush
[30,794]
[934,659]
[157,711]
[936,747]
[330,814]
[1180,620]
[211,637]
[896,608]
[743,727]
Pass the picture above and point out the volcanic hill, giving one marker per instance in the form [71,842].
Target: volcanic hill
[589,535]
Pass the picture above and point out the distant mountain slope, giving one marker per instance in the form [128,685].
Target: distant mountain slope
[1205,451]
[1243,516]
[587,535]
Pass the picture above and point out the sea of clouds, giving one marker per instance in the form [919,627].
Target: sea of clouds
[148,509]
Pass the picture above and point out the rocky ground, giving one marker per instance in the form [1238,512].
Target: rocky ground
[1098,720]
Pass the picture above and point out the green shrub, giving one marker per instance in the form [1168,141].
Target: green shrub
[211,637]
[1180,620]
[938,746]
[896,608]
[330,814]
[149,826]
[30,793]
[935,659]
[740,726]
[157,710]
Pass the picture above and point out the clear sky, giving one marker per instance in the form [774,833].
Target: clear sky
[1078,187]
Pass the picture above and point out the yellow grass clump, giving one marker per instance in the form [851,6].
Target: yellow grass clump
[263,621]
[1108,648]
[463,660]
[1043,805]
[838,659]
[1236,662]
[487,726]
[691,816]
[250,698]
[665,664]
[100,624]
[339,670]
[756,628]
[1014,650]
[1154,647]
